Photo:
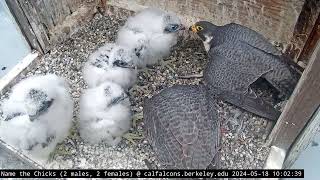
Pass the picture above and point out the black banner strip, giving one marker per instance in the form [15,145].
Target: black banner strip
[142,173]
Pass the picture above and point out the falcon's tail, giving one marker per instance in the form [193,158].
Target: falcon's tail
[252,103]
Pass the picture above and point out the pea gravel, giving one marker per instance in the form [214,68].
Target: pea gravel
[243,134]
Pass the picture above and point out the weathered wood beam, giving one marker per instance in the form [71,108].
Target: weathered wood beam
[36,23]
[24,25]
[40,20]
[302,104]
[311,43]
[298,46]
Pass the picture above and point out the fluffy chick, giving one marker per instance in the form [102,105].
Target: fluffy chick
[111,63]
[37,115]
[105,114]
[151,33]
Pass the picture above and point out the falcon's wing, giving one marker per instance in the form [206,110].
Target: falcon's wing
[230,72]
[234,67]
[250,37]
[180,127]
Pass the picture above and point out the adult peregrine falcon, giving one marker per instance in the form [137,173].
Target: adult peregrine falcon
[238,56]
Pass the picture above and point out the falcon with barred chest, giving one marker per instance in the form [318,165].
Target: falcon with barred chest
[182,125]
[111,63]
[238,57]
[151,33]
[37,116]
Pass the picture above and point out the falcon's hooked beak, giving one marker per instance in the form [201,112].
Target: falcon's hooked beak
[193,28]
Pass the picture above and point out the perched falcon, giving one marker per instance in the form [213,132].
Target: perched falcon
[238,56]
[111,63]
[151,33]
[105,114]
[37,115]
[181,123]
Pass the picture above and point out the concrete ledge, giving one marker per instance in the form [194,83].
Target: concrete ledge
[9,79]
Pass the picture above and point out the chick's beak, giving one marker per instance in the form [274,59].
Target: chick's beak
[193,28]
[119,99]
[129,66]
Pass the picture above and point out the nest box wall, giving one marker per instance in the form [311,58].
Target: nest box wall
[288,22]
[275,19]
[46,22]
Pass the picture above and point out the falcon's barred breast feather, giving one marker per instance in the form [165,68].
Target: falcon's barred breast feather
[182,126]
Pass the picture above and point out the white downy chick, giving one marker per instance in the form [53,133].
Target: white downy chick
[111,63]
[105,114]
[151,33]
[37,116]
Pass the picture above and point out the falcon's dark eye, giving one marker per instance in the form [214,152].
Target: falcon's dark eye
[172,28]
[199,28]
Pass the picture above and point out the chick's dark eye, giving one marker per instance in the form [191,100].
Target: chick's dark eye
[172,28]
[119,63]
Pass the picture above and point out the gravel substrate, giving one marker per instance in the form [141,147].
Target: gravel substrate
[244,135]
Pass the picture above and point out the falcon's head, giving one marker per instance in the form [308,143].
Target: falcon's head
[204,30]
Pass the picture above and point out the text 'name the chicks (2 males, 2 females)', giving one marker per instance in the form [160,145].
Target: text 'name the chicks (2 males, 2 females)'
[135,173]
